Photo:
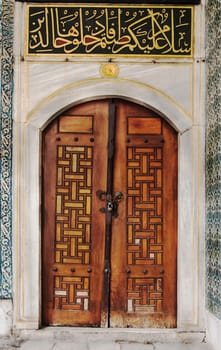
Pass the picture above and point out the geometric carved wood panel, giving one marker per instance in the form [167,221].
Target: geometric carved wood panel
[145,294]
[142,238]
[71,293]
[73,226]
[144,206]
[73,205]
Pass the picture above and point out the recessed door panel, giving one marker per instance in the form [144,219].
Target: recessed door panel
[85,164]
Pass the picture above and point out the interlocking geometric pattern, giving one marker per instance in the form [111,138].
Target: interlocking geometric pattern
[144,206]
[71,293]
[145,294]
[73,205]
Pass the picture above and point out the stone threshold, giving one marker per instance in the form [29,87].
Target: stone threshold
[141,335]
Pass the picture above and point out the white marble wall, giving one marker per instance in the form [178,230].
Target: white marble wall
[43,88]
[6,313]
[213,326]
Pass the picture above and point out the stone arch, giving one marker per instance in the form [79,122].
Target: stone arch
[98,89]
[28,203]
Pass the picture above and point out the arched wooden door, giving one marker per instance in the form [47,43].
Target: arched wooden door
[109,217]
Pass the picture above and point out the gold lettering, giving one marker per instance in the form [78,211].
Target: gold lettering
[140,30]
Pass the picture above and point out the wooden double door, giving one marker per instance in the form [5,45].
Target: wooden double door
[109,217]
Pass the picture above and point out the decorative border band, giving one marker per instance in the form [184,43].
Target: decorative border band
[6,95]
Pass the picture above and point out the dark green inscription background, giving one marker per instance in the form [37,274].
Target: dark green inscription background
[110,30]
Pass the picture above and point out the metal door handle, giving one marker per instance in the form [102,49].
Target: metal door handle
[118,196]
[112,202]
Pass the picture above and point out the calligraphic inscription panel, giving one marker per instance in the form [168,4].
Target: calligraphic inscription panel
[110,30]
